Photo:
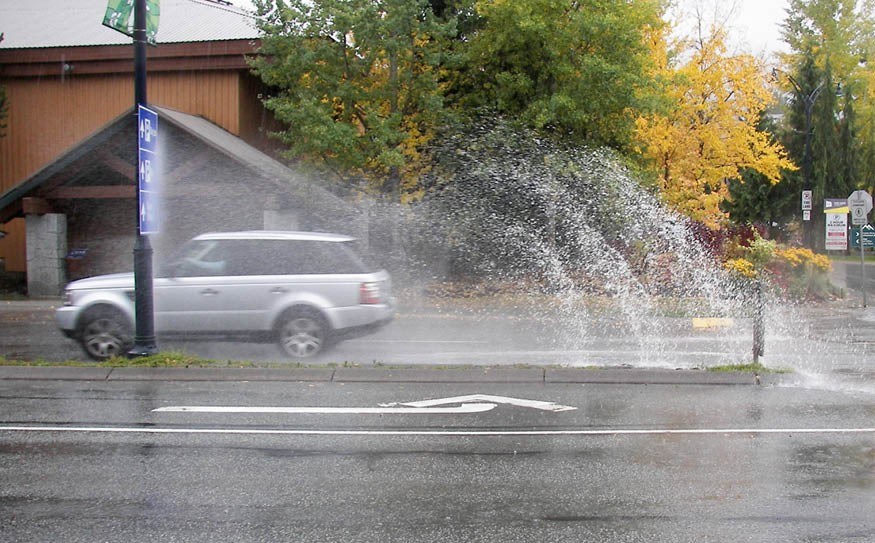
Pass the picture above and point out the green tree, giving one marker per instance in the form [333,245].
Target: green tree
[866,128]
[825,72]
[756,199]
[862,90]
[355,84]
[581,68]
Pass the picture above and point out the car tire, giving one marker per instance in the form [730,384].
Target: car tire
[105,333]
[303,334]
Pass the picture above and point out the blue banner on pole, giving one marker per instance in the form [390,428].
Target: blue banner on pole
[148,175]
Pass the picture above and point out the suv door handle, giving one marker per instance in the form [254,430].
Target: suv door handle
[209,292]
[278,290]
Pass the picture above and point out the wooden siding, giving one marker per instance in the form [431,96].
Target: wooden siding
[49,115]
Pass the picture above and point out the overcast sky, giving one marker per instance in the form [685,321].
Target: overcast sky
[760,21]
[754,24]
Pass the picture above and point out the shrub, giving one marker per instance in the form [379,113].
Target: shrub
[748,253]
[742,267]
[801,274]
[795,272]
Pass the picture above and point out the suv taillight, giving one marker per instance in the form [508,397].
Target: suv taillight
[369,293]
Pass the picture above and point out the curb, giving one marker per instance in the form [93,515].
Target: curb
[433,374]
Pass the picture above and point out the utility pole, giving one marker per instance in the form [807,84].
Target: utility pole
[808,101]
[144,334]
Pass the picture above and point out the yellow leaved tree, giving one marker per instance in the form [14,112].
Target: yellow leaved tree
[708,133]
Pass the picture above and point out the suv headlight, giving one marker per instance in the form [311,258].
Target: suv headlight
[68,297]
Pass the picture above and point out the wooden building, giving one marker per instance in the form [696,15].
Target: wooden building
[68,78]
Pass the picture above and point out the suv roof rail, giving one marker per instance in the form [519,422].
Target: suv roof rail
[277,235]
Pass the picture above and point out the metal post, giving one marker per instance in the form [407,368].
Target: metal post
[144,335]
[862,267]
[759,325]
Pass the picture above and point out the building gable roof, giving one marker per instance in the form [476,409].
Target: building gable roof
[79,164]
[255,160]
[62,23]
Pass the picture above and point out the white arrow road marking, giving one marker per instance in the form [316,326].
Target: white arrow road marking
[384,410]
[534,404]
[474,403]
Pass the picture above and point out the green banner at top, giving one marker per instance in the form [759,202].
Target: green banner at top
[120,16]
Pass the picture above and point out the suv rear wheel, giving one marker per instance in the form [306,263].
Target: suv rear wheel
[105,333]
[302,334]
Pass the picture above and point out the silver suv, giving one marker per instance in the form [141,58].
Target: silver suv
[303,290]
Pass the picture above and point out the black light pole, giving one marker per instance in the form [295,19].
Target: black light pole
[808,100]
[144,334]
[806,153]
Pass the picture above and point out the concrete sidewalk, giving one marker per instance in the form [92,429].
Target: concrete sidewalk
[848,276]
[381,374]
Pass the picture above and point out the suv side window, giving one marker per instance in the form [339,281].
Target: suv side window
[200,259]
[242,257]
[342,258]
[278,257]
[247,257]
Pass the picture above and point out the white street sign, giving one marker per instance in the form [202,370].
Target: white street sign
[836,232]
[807,198]
[860,204]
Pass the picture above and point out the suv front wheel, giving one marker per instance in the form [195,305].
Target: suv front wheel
[302,334]
[105,333]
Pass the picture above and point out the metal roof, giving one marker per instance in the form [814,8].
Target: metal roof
[65,23]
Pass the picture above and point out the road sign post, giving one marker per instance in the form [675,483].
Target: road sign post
[860,204]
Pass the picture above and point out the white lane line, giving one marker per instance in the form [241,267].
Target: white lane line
[387,410]
[440,433]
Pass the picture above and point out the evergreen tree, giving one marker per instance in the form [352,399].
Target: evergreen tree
[828,39]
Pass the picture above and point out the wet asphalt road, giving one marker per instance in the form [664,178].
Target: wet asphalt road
[84,457]
[430,335]
[632,462]
[827,346]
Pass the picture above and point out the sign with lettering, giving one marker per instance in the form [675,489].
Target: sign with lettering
[148,175]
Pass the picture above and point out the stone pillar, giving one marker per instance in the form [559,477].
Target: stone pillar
[46,252]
